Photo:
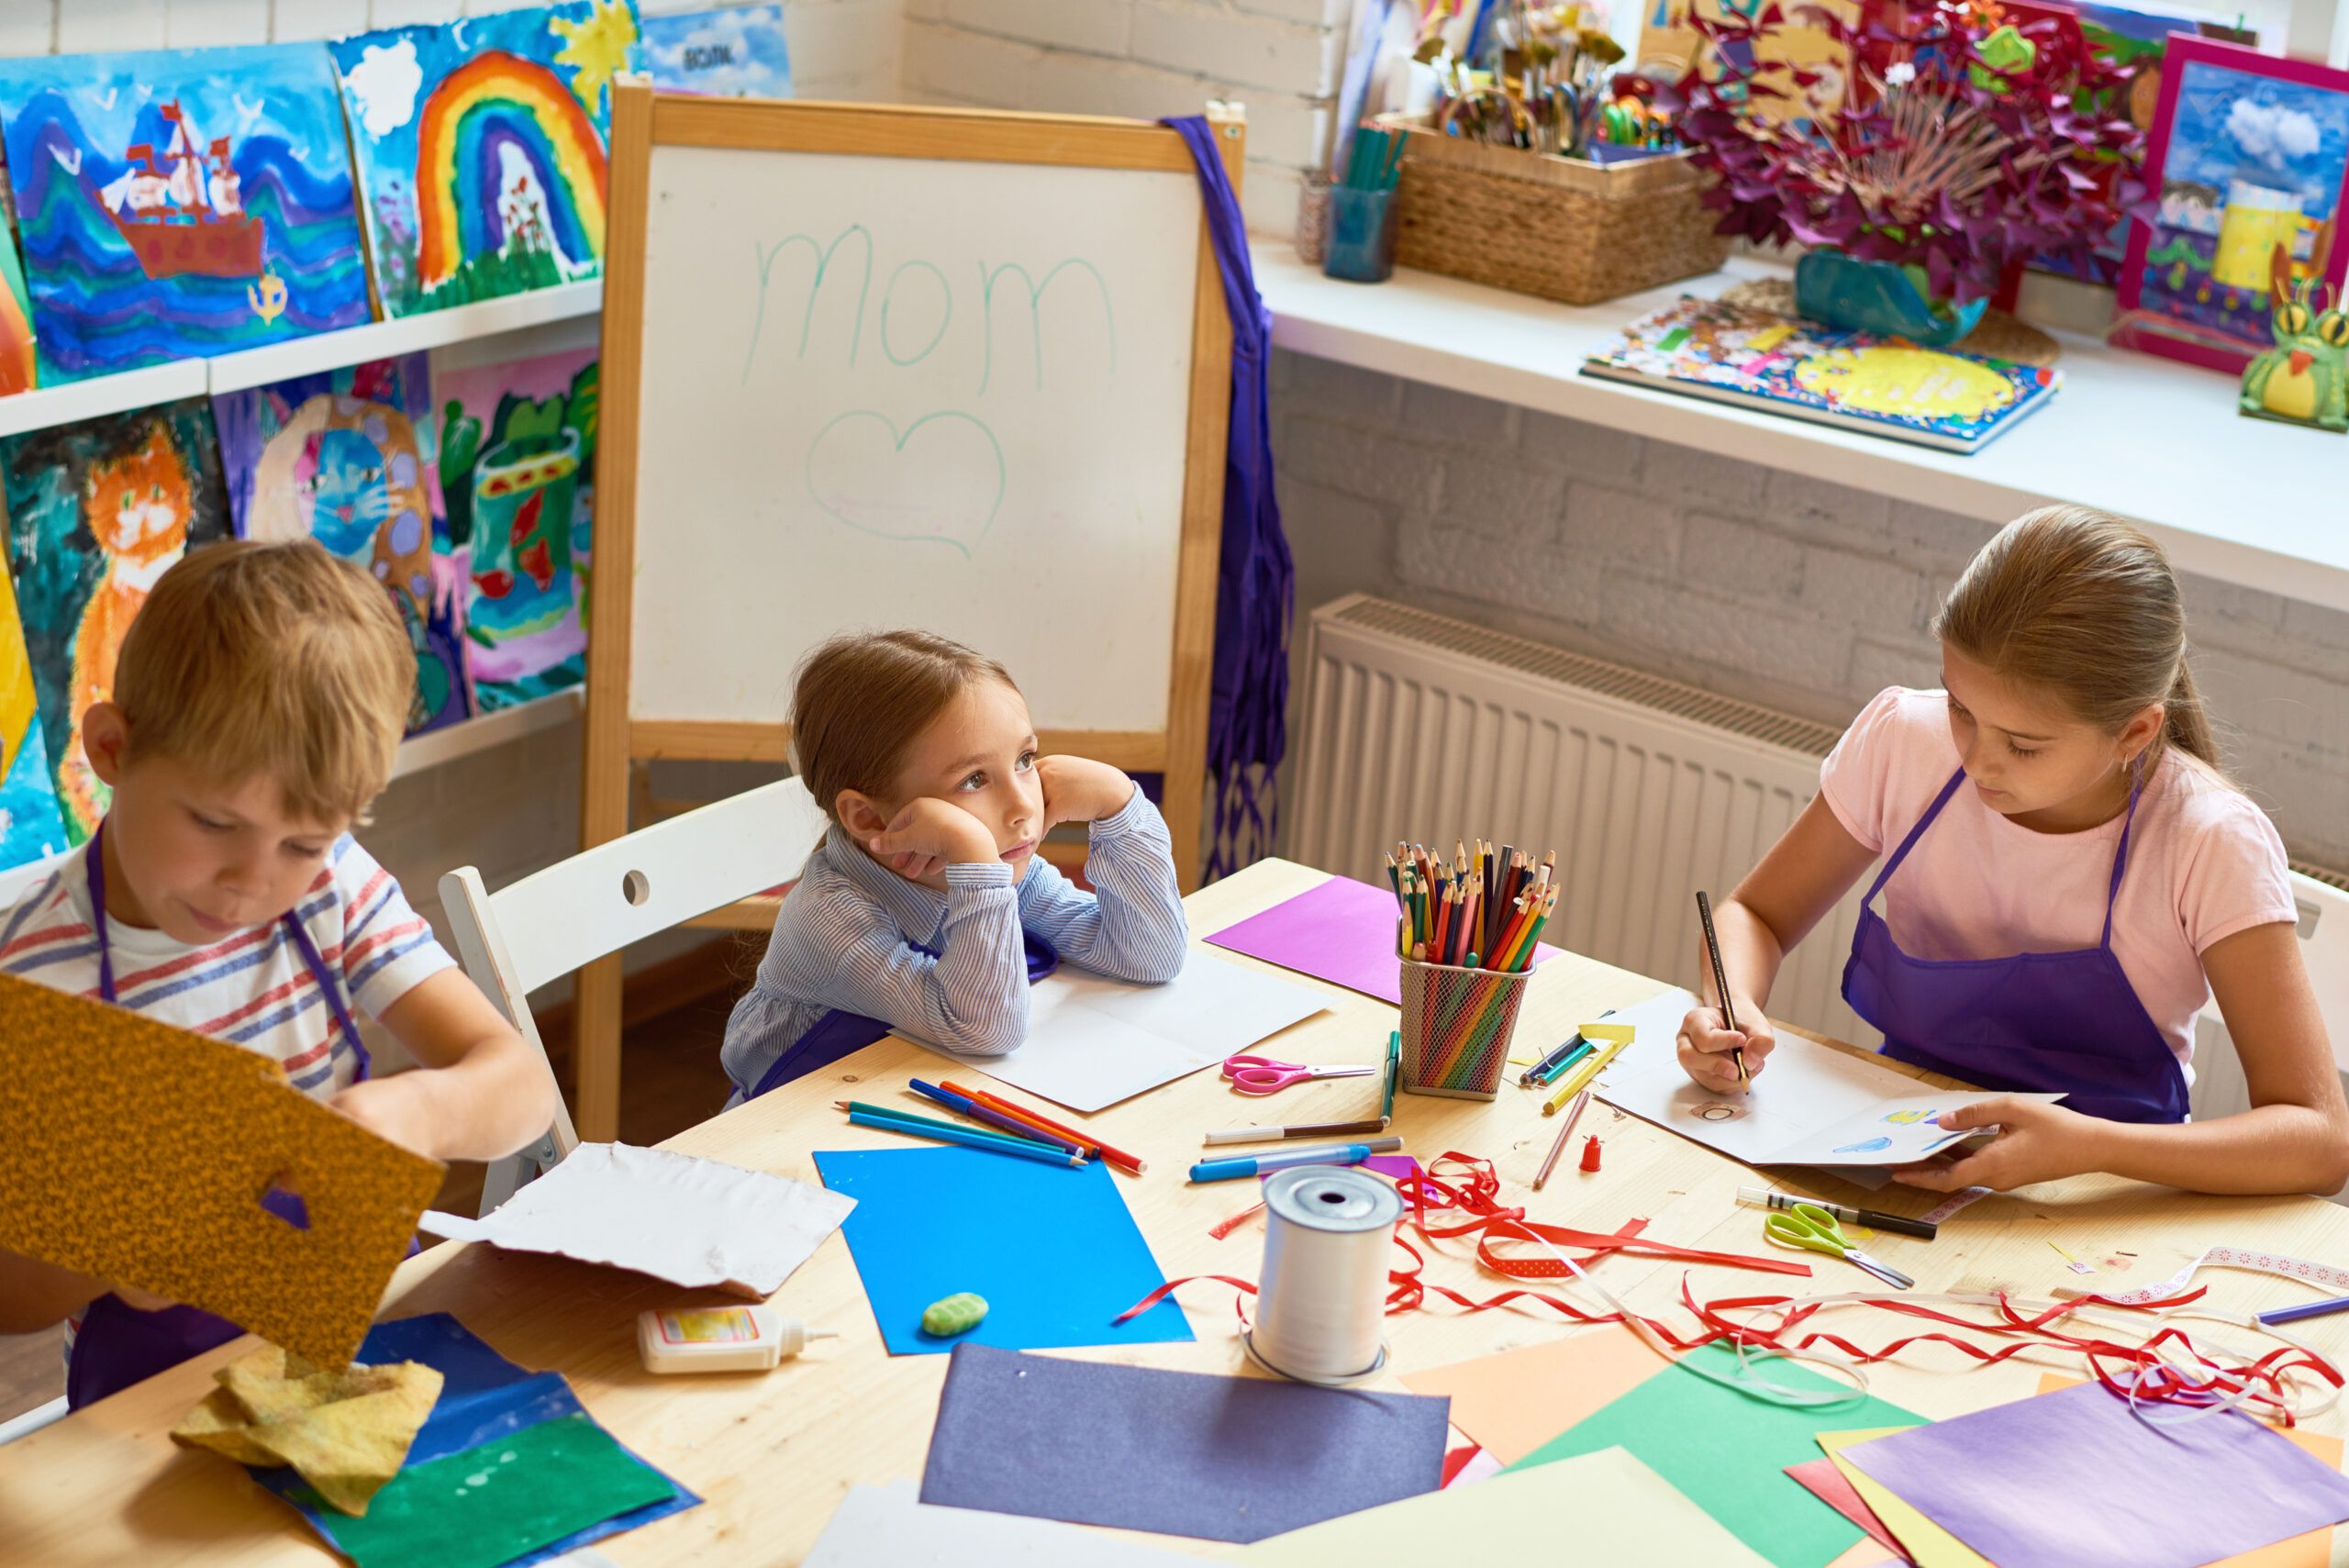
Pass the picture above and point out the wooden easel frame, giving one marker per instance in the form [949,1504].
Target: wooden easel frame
[617,739]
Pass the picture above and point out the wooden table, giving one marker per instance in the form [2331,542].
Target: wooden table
[772,1453]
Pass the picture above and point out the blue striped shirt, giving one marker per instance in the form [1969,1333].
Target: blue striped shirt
[846,938]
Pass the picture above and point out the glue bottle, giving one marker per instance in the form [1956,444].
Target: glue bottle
[720,1338]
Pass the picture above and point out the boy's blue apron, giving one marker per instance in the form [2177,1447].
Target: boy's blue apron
[118,1345]
[840,1031]
[1256,583]
[2050,1022]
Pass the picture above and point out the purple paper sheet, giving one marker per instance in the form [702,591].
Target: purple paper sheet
[1179,1452]
[1342,932]
[2075,1479]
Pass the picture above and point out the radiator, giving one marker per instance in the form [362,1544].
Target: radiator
[1420,727]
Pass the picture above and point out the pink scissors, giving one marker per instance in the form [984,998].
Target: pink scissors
[1263,1075]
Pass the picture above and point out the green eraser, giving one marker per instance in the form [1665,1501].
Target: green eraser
[955,1315]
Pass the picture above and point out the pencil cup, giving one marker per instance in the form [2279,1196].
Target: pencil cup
[1361,235]
[1456,1028]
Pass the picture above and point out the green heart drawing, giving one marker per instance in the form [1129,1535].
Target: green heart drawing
[864,483]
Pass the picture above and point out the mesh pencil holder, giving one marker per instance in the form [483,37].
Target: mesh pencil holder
[1457,1024]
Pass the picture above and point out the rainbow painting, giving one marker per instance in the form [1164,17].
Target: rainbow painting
[481,148]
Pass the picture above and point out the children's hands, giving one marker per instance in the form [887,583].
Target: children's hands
[1078,789]
[929,834]
[2037,1141]
[1706,1040]
[399,1108]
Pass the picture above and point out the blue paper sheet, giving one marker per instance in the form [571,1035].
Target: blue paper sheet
[1054,1250]
[483,1396]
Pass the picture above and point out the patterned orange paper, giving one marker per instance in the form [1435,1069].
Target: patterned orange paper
[138,1153]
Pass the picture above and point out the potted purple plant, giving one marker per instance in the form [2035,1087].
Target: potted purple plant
[1970,142]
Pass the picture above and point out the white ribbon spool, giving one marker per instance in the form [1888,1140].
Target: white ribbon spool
[1321,1296]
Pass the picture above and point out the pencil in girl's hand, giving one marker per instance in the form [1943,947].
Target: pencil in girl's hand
[1721,981]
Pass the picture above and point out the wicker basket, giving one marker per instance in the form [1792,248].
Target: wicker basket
[1559,227]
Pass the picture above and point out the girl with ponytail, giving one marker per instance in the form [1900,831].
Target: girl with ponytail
[2068,879]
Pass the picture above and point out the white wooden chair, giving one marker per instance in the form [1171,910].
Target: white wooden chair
[546,925]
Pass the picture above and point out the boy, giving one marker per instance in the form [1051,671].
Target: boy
[257,706]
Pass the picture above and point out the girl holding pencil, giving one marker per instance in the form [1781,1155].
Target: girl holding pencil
[2067,878]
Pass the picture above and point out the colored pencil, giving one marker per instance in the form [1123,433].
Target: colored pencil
[1109,1154]
[965,1106]
[1579,1079]
[1721,981]
[1566,1130]
[2309,1309]
[863,1115]
[1271,1134]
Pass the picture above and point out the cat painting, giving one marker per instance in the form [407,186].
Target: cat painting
[97,511]
[344,457]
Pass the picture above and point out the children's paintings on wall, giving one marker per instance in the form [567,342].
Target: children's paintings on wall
[19,369]
[481,148]
[29,825]
[97,511]
[2249,164]
[518,462]
[346,457]
[173,204]
[735,53]
[1669,46]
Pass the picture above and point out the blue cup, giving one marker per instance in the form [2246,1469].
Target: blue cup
[1361,235]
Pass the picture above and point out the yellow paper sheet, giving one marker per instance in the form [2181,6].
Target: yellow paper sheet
[1928,1544]
[1514,1402]
[2313,1549]
[1596,1508]
[347,1433]
[150,1171]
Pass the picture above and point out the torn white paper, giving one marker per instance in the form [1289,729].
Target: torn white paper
[691,1221]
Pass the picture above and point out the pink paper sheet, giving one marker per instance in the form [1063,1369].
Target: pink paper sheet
[1342,932]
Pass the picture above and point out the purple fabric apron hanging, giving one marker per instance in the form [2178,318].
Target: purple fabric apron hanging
[2048,1022]
[840,1031]
[1256,583]
[117,1344]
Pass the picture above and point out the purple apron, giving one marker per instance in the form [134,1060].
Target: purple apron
[117,1344]
[840,1031]
[2049,1022]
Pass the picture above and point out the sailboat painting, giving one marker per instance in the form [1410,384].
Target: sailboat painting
[172,206]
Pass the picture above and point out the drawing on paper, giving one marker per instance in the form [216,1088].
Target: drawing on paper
[1717,1110]
[482,148]
[1866,1145]
[182,204]
[97,511]
[518,463]
[344,458]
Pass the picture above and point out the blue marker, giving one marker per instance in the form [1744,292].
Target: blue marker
[1281,1160]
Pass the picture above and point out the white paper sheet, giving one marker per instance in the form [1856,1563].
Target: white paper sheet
[1811,1106]
[891,1524]
[1093,1041]
[691,1221]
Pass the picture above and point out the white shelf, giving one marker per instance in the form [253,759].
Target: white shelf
[479,733]
[406,335]
[2259,504]
[117,393]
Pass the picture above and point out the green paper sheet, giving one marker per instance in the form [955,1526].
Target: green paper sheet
[1729,1452]
[481,1506]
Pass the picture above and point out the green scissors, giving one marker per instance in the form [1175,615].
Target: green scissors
[1811,1227]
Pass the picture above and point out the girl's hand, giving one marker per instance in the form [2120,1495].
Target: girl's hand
[1706,1040]
[398,1109]
[2037,1141]
[929,834]
[1079,790]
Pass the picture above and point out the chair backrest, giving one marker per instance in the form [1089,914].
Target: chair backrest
[598,901]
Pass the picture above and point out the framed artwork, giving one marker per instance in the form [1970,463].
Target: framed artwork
[179,204]
[738,53]
[2248,164]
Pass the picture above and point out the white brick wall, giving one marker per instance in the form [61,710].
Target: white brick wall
[1146,59]
[839,49]
[1771,587]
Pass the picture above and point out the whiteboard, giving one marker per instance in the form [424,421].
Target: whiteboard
[881,392]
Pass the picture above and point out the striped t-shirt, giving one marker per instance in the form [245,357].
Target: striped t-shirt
[252,988]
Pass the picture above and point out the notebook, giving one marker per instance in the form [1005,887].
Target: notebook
[1856,381]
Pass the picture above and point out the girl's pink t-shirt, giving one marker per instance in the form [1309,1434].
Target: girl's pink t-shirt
[2204,863]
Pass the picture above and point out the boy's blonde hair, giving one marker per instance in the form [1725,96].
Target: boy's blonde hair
[2077,602]
[272,658]
[861,699]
